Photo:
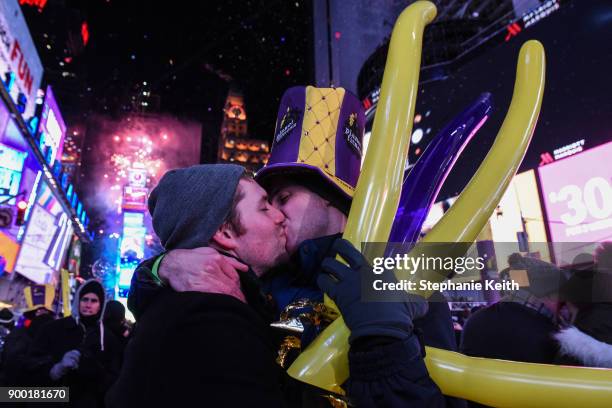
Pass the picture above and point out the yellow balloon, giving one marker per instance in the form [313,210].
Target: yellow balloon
[325,362]
[463,222]
[502,383]
[493,382]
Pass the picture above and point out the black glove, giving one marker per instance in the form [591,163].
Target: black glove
[343,284]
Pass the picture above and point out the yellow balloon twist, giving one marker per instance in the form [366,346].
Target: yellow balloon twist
[325,362]
[493,382]
[500,383]
[462,223]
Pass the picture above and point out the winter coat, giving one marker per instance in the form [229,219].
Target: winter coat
[198,347]
[510,331]
[390,374]
[16,363]
[435,329]
[589,342]
[99,363]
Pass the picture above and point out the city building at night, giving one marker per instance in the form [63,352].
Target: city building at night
[235,145]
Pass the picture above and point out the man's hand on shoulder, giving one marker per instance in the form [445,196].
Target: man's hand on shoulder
[202,270]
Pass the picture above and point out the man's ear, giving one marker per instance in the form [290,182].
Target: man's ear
[225,237]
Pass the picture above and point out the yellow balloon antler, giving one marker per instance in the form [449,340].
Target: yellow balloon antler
[462,223]
[496,382]
[502,383]
[325,362]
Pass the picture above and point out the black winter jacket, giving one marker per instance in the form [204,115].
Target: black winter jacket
[202,348]
[99,362]
[383,373]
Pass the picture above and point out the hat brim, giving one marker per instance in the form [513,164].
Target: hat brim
[266,174]
[34,308]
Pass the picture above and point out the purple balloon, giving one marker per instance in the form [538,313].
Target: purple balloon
[424,181]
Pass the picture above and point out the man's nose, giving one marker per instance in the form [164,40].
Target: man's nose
[278,216]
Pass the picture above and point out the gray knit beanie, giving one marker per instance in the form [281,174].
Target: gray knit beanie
[544,278]
[188,205]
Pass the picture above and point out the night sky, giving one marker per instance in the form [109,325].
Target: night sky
[189,53]
[576,103]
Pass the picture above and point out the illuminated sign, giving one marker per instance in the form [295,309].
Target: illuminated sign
[18,56]
[236,112]
[135,198]
[569,149]
[545,158]
[44,245]
[126,271]
[8,250]
[562,152]
[36,3]
[131,250]
[539,13]
[133,219]
[133,242]
[578,196]
[513,30]
[11,166]
[52,128]
[11,159]
[85,33]
[137,177]
[370,102]
[60,243]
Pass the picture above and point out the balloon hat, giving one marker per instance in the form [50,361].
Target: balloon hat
[318,134]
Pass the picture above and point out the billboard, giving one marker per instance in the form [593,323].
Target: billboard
[46,239]
[126,271]
[577,194]
[133,242]
[18,56]
[51,129]
[135,198]
[133,219]
[11,166]
[137,177]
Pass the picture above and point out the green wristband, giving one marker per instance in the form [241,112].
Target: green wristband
[155,270]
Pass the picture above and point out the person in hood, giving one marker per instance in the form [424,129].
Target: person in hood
[521,326]
[78,351]
[14,362]
[7,324]
[114,320]
[588,341]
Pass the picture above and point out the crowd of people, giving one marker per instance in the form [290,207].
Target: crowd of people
[83,351]
[241,252]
